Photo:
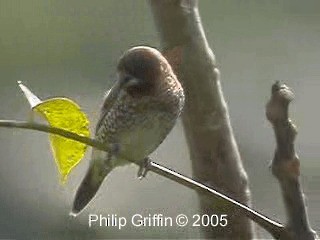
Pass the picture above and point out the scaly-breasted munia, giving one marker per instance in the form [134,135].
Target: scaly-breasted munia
[137,114]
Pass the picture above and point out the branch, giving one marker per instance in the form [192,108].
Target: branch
[257,217]
[213,150]
[286,165]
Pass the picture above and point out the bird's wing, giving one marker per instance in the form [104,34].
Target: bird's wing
[109,99]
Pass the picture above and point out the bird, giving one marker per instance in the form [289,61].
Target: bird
[137,114]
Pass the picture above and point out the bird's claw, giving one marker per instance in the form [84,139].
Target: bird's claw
[144,168]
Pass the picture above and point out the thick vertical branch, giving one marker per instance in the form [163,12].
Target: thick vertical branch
[214,152]
[286,165]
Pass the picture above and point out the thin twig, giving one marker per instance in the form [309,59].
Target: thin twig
[271,226]
[286,164]
[265,222]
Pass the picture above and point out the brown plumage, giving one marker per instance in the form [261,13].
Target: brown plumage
[137,114]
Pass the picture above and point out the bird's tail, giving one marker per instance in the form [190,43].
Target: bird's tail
[90,185]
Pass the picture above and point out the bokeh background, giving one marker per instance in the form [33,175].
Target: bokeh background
[70,48]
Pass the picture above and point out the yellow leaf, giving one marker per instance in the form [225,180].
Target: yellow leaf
[65,114]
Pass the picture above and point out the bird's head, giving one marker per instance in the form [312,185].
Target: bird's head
[141,70]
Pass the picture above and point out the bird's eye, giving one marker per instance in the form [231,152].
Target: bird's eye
[127,79]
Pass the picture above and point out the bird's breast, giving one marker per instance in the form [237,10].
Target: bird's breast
[139,125]
[145,134]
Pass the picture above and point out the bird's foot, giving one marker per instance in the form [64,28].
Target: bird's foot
[144,168]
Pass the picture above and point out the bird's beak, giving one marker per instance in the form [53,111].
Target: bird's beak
[89,186]
[133,82]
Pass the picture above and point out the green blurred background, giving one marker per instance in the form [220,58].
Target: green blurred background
[70,48]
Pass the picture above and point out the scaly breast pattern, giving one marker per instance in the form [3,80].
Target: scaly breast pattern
[139,126]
